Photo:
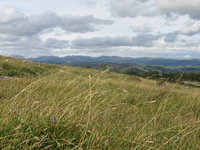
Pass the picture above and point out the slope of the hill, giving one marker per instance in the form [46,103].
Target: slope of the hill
[73,108]
[24,68]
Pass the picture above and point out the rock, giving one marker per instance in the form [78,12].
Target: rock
[5,78]
[192,83]
[61,70]
[133,78]
[161,83]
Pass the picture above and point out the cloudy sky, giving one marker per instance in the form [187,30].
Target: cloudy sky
[133,28]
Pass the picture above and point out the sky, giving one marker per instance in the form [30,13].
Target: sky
[127,28]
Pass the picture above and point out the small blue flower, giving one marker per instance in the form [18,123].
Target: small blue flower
[53,119]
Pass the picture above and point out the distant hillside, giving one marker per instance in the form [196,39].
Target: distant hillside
[119,60]
[126,64]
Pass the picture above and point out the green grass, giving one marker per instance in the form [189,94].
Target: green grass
[94,110]
[23,68]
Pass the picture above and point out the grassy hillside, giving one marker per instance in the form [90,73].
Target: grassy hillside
[23,68]
[61,107]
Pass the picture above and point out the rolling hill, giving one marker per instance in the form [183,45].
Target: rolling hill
[118,60]
[47,106]
[126,64]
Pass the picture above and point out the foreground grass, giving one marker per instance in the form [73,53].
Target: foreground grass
[96,110]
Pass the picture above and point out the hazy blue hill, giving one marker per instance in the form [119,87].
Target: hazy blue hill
[116,59]
[125,64]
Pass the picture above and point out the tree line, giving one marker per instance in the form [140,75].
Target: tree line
[172,77]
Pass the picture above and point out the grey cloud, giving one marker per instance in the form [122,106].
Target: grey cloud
[8,38]
[171,37]
[30,25]
[182,7]
[139,40]
[31,45]
[33,42]
[190,43]
[145,39]
[82,24]
[54,43]
[131,8]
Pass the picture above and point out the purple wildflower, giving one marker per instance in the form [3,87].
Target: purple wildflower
[53,119]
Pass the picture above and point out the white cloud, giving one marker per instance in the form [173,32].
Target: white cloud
[18,24]
[7,14]
[187,56]
[191,29]
[144,28]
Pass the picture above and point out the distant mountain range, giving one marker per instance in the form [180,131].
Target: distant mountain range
[118,60]
[124,64]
